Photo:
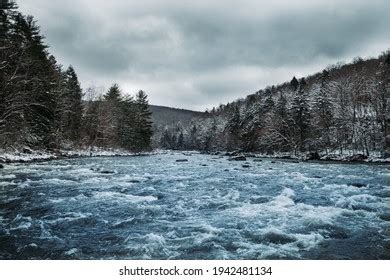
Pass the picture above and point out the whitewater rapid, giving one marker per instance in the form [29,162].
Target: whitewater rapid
[152,207]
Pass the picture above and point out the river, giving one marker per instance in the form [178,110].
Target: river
[152,207]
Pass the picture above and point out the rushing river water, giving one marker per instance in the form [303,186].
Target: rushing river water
[153,207]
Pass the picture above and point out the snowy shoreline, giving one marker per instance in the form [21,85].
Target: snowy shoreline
[27,155]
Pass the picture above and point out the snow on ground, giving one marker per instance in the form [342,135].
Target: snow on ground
[28,155]
[346,156]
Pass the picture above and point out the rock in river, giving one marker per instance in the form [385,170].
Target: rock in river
[357,157]
[237,158]
[181,160]
[358,185]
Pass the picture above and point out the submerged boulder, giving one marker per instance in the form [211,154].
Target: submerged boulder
[134,181]
[358,185]
[238,158]
[182,160]
[357,157]
[107,172]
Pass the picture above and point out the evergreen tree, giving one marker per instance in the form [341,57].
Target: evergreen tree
[70,106]
[144,130]
[294,84]
[126,124]
[113,94]
[30,96]
[110,117]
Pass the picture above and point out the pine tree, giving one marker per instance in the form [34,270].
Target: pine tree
[294,84]
[113,94]
[31,94]
[8,62]
[143,129]
[126,124]
[70,106]
[111,116]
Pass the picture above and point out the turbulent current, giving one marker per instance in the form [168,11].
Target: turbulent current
[152,207]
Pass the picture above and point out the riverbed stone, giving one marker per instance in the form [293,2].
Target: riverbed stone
[238,158]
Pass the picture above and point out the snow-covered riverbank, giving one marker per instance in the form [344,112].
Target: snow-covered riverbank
[314,157]
[28,155]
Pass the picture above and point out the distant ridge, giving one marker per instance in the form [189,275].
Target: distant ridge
[163,115]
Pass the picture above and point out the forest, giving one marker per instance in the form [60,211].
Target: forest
[42,105]
[343,109]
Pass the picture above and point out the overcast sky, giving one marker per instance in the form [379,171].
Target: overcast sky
[198,54]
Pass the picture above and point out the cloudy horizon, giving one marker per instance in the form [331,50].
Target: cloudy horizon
[196,55]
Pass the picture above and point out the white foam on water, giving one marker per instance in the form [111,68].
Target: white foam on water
[57,200]
[349,177]
[117,223]
[72,252]
[210,229]
[297,176]
[83,172]
[318,215]
[120,196]
[155,238]
[232,195]
[69,216]
[22,225]
[358,200]
[6,184]
[9,176]
[127,178]
[96,180]
[124,184]
[285,199]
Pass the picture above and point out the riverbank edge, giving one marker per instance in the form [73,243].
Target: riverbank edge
[325,159]
[31,156]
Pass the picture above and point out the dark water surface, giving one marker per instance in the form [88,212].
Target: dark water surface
[153,207]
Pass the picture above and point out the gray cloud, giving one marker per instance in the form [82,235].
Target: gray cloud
[197,54]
